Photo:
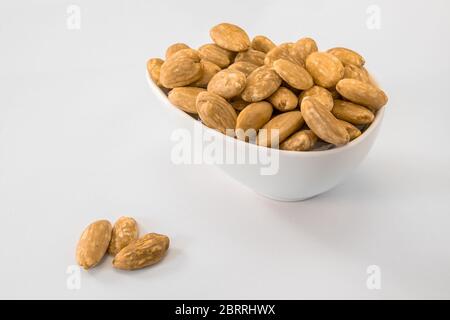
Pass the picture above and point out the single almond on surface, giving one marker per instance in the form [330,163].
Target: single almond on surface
[301,141]
[280,128]
[352,113]
[243,66]
[230,37]
[143,252]
[228,83]
[124,231]
[216,112]
[185,98]
[215,54]
[93,244]
[263,44]
[323,123]
[296,76]
[254,117]
[362,93]
[325,69]
[252,56]
[348,56]
[261,84]
[284,100]
[154,69]
[320,94]
[175,48]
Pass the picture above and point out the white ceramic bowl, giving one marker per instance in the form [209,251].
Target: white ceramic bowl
[300,175]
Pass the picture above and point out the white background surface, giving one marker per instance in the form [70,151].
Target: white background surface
[83,138]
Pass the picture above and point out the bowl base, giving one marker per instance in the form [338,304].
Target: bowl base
[279,199]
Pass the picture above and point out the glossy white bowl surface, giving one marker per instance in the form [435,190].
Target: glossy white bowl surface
[300,175]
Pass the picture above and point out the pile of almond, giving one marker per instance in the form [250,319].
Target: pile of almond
[122,242]
[291,96]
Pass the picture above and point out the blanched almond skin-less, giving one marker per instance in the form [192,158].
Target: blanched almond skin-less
[323,123]
[325,69]
[358,73]
[301,141]
[175,48]
[143,252]
[353,131]
[209,71]
[215,112]
[124,231]
[280,128]
[227,83]
[347,56]
[180,72]
[320,94]
[154,70]
[261,84]
[93,244]
[284,100]
[263,44]
[185,98]
[215,54]
[243,66]
[230,37]
[253,56]
[362,93]
[304,47]
[254,117]
[352,113]
[295,75]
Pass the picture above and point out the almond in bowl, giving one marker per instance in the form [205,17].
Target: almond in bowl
[318,110]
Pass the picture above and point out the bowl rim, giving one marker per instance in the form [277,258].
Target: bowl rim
[352,144]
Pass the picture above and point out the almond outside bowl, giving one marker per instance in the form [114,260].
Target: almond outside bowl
[300,175]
